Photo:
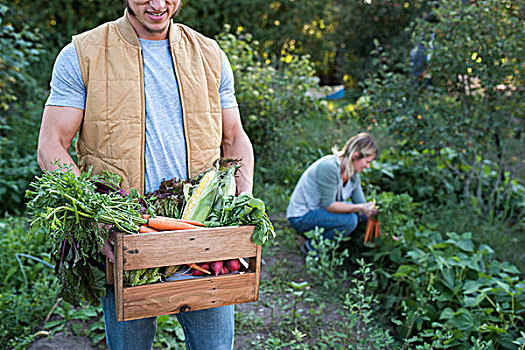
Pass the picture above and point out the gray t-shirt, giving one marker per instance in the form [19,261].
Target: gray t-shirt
[165,149]
[320,185]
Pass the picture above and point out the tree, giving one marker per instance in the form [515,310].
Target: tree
[470,115]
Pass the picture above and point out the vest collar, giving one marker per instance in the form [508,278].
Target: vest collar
[128,32]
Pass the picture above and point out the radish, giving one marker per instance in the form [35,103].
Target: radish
[233,265]
[197,273]
[224,271]
[216,266]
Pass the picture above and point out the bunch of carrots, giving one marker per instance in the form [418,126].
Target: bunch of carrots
[162,223]
[373,228]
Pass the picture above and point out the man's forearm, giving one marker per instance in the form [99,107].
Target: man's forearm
[241,148]
[59,126]
[48,161]
[49,155]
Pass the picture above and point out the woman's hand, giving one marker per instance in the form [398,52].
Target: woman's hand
[369,209]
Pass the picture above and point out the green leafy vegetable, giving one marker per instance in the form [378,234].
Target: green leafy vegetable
[243,210]
[69,209]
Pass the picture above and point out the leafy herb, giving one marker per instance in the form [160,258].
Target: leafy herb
[243,210]
[169,199]
[69,208]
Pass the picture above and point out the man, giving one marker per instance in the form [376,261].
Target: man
[151,100]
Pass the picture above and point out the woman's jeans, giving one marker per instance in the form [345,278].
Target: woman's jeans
[331,222]
[209,329]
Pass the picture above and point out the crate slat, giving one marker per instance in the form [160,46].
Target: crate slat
[189,295]
[119,277]
[109,271]
[185,246]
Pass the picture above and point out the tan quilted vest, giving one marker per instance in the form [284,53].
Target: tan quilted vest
[112,134]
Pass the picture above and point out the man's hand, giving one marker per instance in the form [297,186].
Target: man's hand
[107,249]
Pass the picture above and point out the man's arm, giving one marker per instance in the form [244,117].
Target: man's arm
[59,127]
[235,143]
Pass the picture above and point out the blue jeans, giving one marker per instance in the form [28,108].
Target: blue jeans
[209,329]
[331,222]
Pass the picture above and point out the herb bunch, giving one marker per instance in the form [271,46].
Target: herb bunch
[74,215]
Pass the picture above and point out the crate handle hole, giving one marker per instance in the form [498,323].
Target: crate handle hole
[185,308]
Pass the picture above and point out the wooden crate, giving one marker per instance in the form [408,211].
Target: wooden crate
[151,250]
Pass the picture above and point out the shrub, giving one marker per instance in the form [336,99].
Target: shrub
[269,94]
[28,282]
[448,289]
[20,101]
[447,283]
[465,113]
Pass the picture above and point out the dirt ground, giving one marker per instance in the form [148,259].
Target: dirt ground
[62,341]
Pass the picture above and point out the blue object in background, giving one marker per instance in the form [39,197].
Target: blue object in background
[336,95]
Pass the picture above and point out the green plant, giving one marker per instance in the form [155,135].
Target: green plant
[326,262]
[267,91]
[69,208]
[496,234]
[20,99]
[298,293]
[27,287]
[364,332]
[415,174]
[449,284]
[170,334]
[466,117]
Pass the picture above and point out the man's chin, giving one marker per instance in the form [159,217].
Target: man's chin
[155,31]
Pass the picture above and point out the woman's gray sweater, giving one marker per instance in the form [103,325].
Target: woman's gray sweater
[320,185]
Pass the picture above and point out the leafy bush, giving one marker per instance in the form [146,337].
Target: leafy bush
[412,173]
[348,31]
[28,285]
[269,93]
[277,109]
[448,288]
[465,113]
[336,35]
[20,101]
[18,159]
[56,21]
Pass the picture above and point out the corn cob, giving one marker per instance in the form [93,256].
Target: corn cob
[201,200]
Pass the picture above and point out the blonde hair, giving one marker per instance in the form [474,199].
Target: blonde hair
[363,144]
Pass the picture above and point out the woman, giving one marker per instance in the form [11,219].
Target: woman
[320,197]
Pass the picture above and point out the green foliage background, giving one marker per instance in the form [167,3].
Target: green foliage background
[451,159]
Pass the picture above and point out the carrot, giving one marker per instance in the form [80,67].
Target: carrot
[146,216]
[162,223]
[368,231]
[371,235]
[378,229]
[197,267]
[146,229]
[191,222]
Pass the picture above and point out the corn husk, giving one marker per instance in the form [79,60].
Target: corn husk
[203,197]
